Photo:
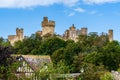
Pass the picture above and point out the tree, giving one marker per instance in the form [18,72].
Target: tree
[58,56]
[1,40]
[109,56]
[70,51]
[29,45]
[78,61]
[5,62]
[92,72]
[107,76]
[50,45]
[4,42]
[92,42]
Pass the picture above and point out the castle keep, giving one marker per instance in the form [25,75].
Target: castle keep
[19,36]
[47,26]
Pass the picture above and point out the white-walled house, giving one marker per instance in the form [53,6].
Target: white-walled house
[29,64]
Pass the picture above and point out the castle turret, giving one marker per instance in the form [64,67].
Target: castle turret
[110,35]
[19,36]
[47,26]
[83,31]
[19,33]
[72,33]
[72,27]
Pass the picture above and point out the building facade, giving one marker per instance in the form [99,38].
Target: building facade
[72,33]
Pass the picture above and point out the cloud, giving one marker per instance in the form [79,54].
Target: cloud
[33,3]
[93,12]
[79,10]
[71,14]
[100,1]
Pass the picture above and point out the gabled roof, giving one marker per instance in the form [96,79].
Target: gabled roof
[35,61]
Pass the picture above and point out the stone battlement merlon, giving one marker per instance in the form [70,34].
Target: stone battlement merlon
[84,28]
[49,23]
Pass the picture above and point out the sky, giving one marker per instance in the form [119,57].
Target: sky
[96,15]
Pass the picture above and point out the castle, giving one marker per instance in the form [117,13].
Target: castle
[72,33]
[48,30]
[19,36]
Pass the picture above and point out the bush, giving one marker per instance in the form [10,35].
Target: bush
[107,76]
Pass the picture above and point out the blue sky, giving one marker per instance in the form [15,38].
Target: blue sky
[97,15]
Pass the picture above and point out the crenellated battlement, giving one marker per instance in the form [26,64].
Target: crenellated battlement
[19,36]
[47,26]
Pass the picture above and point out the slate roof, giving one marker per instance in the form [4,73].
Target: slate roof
[35,61]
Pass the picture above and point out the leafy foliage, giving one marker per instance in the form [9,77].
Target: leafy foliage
[29,45]
[107,76]
[6,61]
[92,72]
[51,44]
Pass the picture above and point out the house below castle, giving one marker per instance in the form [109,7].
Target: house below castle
[30,64]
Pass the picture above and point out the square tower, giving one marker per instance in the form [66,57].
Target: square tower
[47,27]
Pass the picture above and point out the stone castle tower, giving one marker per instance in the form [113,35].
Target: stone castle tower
[19,36]
[84,31]
[19,33]
[110,35]
[47,26]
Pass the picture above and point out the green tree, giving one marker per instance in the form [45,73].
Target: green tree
[78,61]
[70,51]
[58,55]
[29,45]
[6,62]
[107,76]
[109,56]
[92,72]
[50,45]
